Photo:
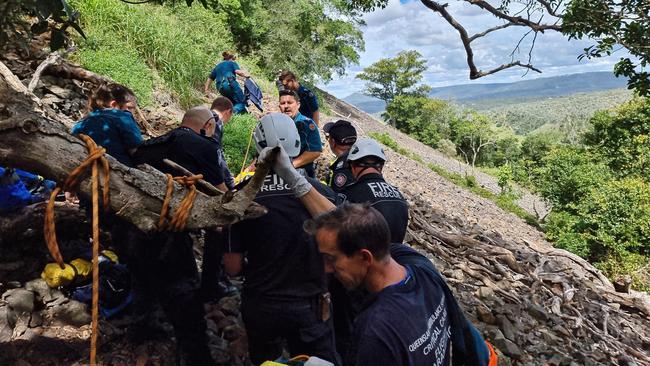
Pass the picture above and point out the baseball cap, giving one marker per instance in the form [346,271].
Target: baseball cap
[341,131]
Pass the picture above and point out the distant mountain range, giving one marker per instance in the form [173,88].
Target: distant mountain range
[475,95]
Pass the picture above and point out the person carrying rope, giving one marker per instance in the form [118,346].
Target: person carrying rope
[224,75]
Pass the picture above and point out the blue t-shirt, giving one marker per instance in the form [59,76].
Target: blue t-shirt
[308,102]
[404,324]
[224,69]
[113,129]
[309,138]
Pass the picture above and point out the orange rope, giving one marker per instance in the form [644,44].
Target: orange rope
[179,218]
[95,156]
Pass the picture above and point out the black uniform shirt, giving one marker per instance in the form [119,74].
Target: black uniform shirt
[385,198]
[340,175]
[196,153]
[283,260]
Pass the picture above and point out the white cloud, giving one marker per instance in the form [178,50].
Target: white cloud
[410,25]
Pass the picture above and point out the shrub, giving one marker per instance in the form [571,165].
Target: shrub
[236,139]
[567,176]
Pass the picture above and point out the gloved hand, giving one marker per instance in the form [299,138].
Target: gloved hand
[285,170]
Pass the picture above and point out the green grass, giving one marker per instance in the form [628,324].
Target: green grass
[122,65]
[235,141]
[181,44]
[507,202]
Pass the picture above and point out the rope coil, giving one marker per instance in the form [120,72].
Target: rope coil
[179,218]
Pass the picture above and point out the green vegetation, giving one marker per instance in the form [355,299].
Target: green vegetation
[236,138]
[568,114]
[166,39]
[392,77]
[506,201]
[181,44]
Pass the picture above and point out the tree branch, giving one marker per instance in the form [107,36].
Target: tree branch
[538,27]
[474,72]
[490,30]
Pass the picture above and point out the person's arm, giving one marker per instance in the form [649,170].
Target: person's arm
[316,203]
[316,117]
[313,200]
[242,73]
[206,87]
[305,158]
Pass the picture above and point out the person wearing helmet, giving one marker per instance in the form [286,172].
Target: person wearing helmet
[340,136]
[311,145]
[366,160]
[284,295]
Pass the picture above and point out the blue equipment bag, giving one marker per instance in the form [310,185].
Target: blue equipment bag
[253,93]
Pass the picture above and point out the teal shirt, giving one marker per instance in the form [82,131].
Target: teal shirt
[113,129]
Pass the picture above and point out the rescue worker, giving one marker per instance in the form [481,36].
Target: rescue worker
[354,240]
[224,75]
[411,317]
[340,136]
[308,100]
[214,283]
[284,295]
[366,160]
[311,145]
[165,261]
[222,109]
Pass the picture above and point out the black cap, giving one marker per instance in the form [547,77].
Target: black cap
[341,131]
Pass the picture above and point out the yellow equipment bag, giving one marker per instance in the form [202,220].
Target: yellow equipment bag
[55,277]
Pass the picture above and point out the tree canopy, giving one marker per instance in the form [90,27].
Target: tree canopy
[400,75]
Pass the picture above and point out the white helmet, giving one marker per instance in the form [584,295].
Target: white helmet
[277,129]
[366,147]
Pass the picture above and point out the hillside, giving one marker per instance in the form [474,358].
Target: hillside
[538,305]
[528,115]
[482,96]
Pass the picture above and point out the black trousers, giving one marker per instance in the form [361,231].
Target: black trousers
[163,270]
[211,270]
[269,323]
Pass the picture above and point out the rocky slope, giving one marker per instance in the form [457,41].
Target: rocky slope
[536,304]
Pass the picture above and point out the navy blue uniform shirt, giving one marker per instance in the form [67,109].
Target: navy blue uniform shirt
[308,101]
[309,139]
[340,175]
[283,260]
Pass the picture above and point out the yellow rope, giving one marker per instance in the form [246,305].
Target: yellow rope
[250,139]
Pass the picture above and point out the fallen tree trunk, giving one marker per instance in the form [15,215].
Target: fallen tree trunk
[31,141]
[20,225]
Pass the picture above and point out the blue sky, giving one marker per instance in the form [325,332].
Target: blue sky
[407,24]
